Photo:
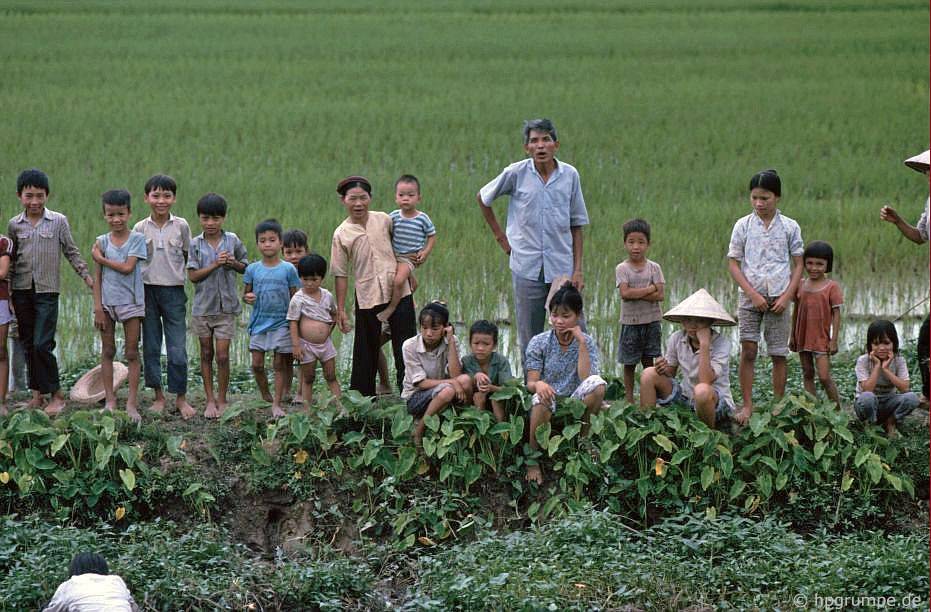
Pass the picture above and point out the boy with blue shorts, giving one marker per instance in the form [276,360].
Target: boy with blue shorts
[702,354]
[269,285]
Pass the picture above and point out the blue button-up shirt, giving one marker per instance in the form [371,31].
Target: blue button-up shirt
[540,215]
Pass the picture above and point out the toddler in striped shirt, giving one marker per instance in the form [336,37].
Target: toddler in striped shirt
[413,237]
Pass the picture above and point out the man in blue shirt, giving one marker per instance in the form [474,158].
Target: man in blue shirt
[543,237]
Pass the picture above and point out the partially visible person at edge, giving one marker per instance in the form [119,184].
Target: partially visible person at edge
[543,235]
[362,244]
[919,235]
[91,587]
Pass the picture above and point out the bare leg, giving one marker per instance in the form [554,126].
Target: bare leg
[384,385]
[282,378]
[401,274]
[440,401]
[706,401]
[329,375]
[261,378]
[779,376]
[4,367]
[653,385]
[223,373]
[206,372]
[629,371]
[497,408]
[808,372]
[824,376]
[539,414]
[181,403]
[107,353]
[131,332]
[158,404]
[299,394]
[592,403]
[745,372]
[307,382]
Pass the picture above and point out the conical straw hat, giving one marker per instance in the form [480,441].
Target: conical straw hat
[920,162]
[89,388]
[700,304]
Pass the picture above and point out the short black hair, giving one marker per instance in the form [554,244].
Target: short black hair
[820,250]
[212,205]
[268,225]
[539,125]
[311,265]
[88,563]
[434,313]
[115,197]
[881,329]
[294,238]
[407,178]
[567,297]
[32,178]
[768,180]
[636,225]
[161,181]
[343,188]
[484,326]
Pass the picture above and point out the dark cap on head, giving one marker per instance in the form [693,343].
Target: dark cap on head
[353,181]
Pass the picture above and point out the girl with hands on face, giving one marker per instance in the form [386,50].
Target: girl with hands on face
[882,394]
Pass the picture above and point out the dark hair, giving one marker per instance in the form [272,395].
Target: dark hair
[433,313]
[407,178]
[767,179]
[212,205]
[881,329]
[294,238]
[88,563]
[344,187]
[820,250]
[311,265]
[484,326]
[567,297]
[115,197]
[268,225]
[539,125]
[32,178]
[161,181]
[636,225]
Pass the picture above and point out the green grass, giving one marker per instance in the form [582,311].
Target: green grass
[666,110]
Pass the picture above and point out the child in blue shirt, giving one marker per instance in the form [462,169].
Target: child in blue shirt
[269,285]
[119,295]
[413,237]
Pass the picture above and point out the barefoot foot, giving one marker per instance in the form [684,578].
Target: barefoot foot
[158,405]
[184,408]
[277,412]
[109,406]
[267,397]
[133,413]
[534,474]
[55,406]
[383,389]
[210,410]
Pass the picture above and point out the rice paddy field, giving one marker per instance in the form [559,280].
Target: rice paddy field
[666,108]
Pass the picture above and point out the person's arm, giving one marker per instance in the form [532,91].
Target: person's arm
[835,330]
[787,296]
[639,293]
[195,275]
[706,373]
[247,296]
[123,267]
[100,317]
[488,213]
[578,279]
[759,302]
[793,341]
[295,340]
[72,254]
[341,287]
[887,213]
[543,390]
[5,265]
[426,250]
[869,383]
[585,360]
[453,363]
[900,383]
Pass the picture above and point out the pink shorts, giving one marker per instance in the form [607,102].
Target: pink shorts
[125,312]
[323,352]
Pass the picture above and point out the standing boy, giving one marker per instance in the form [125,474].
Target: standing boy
[546,214]
[168,240]
[40,237]
[217,257]
[119,296]
[640,282]
[293,248]
[269,285]
[765,260]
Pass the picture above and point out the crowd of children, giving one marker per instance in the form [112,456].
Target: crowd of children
[139,279]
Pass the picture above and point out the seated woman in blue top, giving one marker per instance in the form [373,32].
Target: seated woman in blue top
[562,362]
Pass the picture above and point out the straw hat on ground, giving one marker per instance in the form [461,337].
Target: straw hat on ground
[89,388]
[700,304]
[920,162]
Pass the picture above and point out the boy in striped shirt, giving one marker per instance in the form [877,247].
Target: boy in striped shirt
[413,237]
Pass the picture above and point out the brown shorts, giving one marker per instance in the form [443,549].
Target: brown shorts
[220,326]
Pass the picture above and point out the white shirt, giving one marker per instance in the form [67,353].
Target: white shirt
[92,593]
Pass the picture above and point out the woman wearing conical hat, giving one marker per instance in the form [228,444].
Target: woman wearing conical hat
[703,356]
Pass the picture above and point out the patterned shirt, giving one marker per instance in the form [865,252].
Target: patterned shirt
[679,353]
[864,368]
[499,368]
[409,235]
[421,363]
[118,289]
[367,248]
[303,305]
[168,247]
[639,311]
[217,293]
[540,217]
[765,253]
[559,368]
[922,226]
[38,249]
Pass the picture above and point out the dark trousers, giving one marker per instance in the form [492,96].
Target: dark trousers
[924,353]
[365,345]
[164,315]
[37,317]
